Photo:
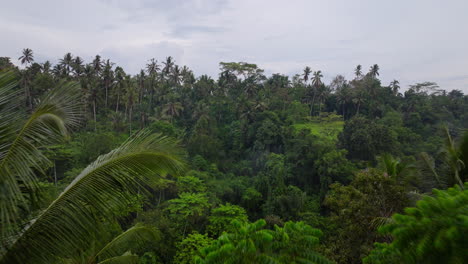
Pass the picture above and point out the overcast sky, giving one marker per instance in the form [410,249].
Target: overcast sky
[411,40]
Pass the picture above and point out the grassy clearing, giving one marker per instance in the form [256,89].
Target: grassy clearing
[328,128]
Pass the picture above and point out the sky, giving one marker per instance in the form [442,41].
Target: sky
[411,40]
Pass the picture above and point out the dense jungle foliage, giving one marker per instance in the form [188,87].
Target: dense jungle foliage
[101,166]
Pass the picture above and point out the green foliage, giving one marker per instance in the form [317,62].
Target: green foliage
[190,247]
[189,205]
[250,243]
[356,210]
[190,184]
[221,218]
[23,138]
[432,232]
[104,186]
[327,129]
[364,139]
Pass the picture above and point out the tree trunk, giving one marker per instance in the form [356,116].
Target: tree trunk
[117,105]
[94,112]
[312,106]
[130,119]
[358,106]
[107,88]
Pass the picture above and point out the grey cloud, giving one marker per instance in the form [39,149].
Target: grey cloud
[412,41]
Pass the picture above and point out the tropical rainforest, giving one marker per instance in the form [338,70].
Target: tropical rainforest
[101,166]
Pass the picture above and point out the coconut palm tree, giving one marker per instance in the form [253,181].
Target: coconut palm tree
[374,71]
[152,69]
[97,65]
[395,85]
[67,62]
[306,74]
[27,57]
[316,82]
[358,71]
[168,64]
[46,67]
[108,78]
[172,109]
[343,96]
[77,66]
[119,85]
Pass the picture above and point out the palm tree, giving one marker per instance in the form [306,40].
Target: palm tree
[168,64]
[374,71]
[77,66]
[172,109]
[67,62]
[118,250]
[108,184]
[22,141]
[395,85]
[322,93]
[401,171]
[152,69]
[104,186]
[358,71]
[455,158]
[343,96]
[97,65]
[108,78]
[316,82]
[176,75]
[27,57]
[46,67]
[306,74]
[119,85]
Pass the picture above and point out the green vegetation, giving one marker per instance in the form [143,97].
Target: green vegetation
[327,129]
[101,166]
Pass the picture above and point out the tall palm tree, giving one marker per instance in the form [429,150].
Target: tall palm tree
[152,69]
[316,82]
[343,96]
[97,65]
[27,57]
[107,78]
[77,66]
[306,74]
[168,64]
[172,109]
[119,85]
[374,71]
[176,75]
[67,62]
[395,85]
[358,71]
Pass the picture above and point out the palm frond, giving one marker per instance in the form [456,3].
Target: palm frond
[124,259]
[132,239]
[23,139]
[117,176]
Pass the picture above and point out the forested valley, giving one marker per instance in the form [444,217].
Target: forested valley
[101,166]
